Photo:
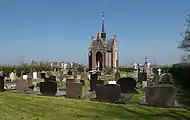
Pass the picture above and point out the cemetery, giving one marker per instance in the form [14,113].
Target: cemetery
[103,90]
[70,92]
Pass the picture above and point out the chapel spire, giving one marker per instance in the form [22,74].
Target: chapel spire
[103,34]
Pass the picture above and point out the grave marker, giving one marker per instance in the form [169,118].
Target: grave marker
[127,84]
[74,90]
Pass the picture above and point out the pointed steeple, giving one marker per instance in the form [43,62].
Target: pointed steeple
[103,27]
[103,34]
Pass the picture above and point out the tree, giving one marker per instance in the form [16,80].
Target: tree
[185,43]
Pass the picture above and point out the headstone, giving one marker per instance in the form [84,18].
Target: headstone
[142,76]
[93,84]
[144,84]
[74,90]
[2,84]
[22,86]
[159,71]
[12,76]
[25,77]
[35,75]
[160,96]
[70,72]
[108,93]
[165,78]
[70,79]
[127,84]
[29,81]
[48,88]
[43,75]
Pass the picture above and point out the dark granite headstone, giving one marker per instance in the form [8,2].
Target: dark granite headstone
[70,72]
[142,76]
[93,84]
[2,84]
[127,84]
[165,78]
[42,75]
[48,88]
[108,93]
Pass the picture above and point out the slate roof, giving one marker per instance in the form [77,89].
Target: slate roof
[109,44]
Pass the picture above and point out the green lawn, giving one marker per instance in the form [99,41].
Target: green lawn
[32,107]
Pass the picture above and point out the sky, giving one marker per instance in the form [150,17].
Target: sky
[56,30]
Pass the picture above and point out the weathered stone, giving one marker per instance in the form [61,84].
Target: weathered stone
[160,95]
[73,90]
[165,78]
[22,86]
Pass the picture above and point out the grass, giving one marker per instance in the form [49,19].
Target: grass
[33,107]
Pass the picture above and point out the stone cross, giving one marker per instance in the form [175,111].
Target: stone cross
[159,71]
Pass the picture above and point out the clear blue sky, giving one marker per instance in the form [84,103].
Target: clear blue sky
[61,29]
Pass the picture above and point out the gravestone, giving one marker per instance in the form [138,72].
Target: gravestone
[18,74]
[165,78]
[144,84]
[70,72]
[73,90]
[35,75]
[127,84]
[12,76]
[70,79]
[24,77]
[29,79]
[108,93]
[142,76]
[160,96]
[43,75]
[48,88]
[93,84]
[22,85]
[155,79]
[2,84]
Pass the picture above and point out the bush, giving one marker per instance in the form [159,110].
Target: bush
[180,73]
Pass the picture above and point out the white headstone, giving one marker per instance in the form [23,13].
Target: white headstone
[148,65]
[35,75]
[65,66]
[135,66]
[51,64]
[111,82]
[25,77]
[159,71]
[71,65]
[62,65]
[12,76]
